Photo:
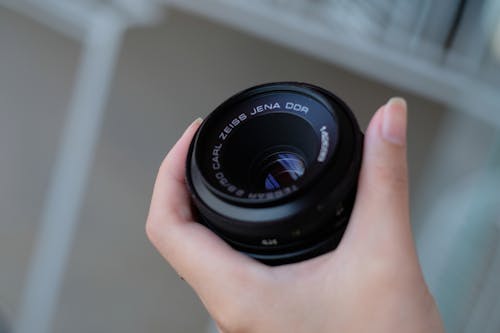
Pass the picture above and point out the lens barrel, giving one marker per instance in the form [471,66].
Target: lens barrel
[273,171]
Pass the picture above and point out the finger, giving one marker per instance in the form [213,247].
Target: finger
[381,212]
[206,262]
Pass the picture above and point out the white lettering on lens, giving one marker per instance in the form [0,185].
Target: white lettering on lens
[227,184]
[215,156]
[296,107]
[325,143]
[265,107]
[269,242]
[232,124]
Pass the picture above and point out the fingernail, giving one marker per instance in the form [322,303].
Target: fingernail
[394,122]
[197,121]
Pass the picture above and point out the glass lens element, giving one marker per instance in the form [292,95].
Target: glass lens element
[281,169]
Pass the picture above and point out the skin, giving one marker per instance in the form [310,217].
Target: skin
[371,283]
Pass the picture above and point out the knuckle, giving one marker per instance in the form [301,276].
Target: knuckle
[152,228]
[155,232]
[229,324]
[237,316]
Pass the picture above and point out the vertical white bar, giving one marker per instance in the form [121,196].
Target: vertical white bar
[70,173]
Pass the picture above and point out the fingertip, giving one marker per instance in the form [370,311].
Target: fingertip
[388,126]
[389,123]
[196,123]
[183,143]
[384,156]
[175,160]
[187,135]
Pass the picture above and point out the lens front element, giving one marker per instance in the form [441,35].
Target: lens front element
[279,169]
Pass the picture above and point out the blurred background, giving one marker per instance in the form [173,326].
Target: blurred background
[93,93]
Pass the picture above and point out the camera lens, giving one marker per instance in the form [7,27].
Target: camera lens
[273,171]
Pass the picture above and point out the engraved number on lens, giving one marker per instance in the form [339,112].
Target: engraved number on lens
[270,242]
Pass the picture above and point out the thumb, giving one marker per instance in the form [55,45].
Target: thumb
[381,212]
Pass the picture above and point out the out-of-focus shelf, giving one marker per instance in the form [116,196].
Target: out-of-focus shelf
[399,42]
[73,18]
[384,50]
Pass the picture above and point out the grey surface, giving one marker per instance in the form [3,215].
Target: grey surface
[167,76]
[34,91]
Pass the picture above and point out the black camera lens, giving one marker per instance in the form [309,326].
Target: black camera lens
[273,171]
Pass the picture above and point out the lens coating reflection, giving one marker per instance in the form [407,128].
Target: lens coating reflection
[281,169]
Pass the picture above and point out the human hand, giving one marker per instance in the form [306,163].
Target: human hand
[371,283]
